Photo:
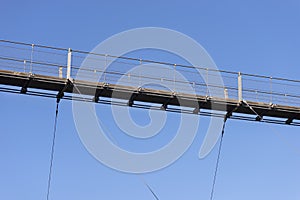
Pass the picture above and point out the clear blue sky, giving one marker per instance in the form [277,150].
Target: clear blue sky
[259,161]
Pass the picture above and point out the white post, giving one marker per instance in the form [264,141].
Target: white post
[206,81]
[31,57]
[69,63]
[60,72]
[24,66]
[140,75]
[271,88]
[226,93]
[174,78]
[105,68]
[240,88]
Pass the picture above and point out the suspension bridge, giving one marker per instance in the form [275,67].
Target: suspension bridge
[48,72]
[52,72]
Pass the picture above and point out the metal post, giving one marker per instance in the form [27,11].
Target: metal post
[104,71]
[60,72]
[226,93]
[207,88]
[256,95]
[69,63]
[31,57]
[140,75]
[240,88]
[24,66]
[174,77]
[271,90]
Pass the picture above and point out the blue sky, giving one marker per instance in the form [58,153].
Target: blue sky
[259,161]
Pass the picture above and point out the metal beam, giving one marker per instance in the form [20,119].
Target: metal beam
[49,83]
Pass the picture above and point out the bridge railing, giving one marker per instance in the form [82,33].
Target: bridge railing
[67,63]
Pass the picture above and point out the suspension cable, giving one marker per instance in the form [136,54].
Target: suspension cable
[52,151]
[218,160]
[148,187]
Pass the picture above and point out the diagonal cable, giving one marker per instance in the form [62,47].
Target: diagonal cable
[250,107]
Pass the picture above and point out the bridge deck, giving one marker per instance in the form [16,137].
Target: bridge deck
[50,84]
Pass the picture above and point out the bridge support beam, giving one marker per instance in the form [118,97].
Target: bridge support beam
[279,113]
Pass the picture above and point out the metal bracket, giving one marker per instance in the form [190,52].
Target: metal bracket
[25,86]
[99,92]
[230,112]
[197,110]
[164,106]
[131,100]
[289,120]
[133,96]
[208,98]
[272,106]
[60,94]
[97,95]
[259,118]
[105,85]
